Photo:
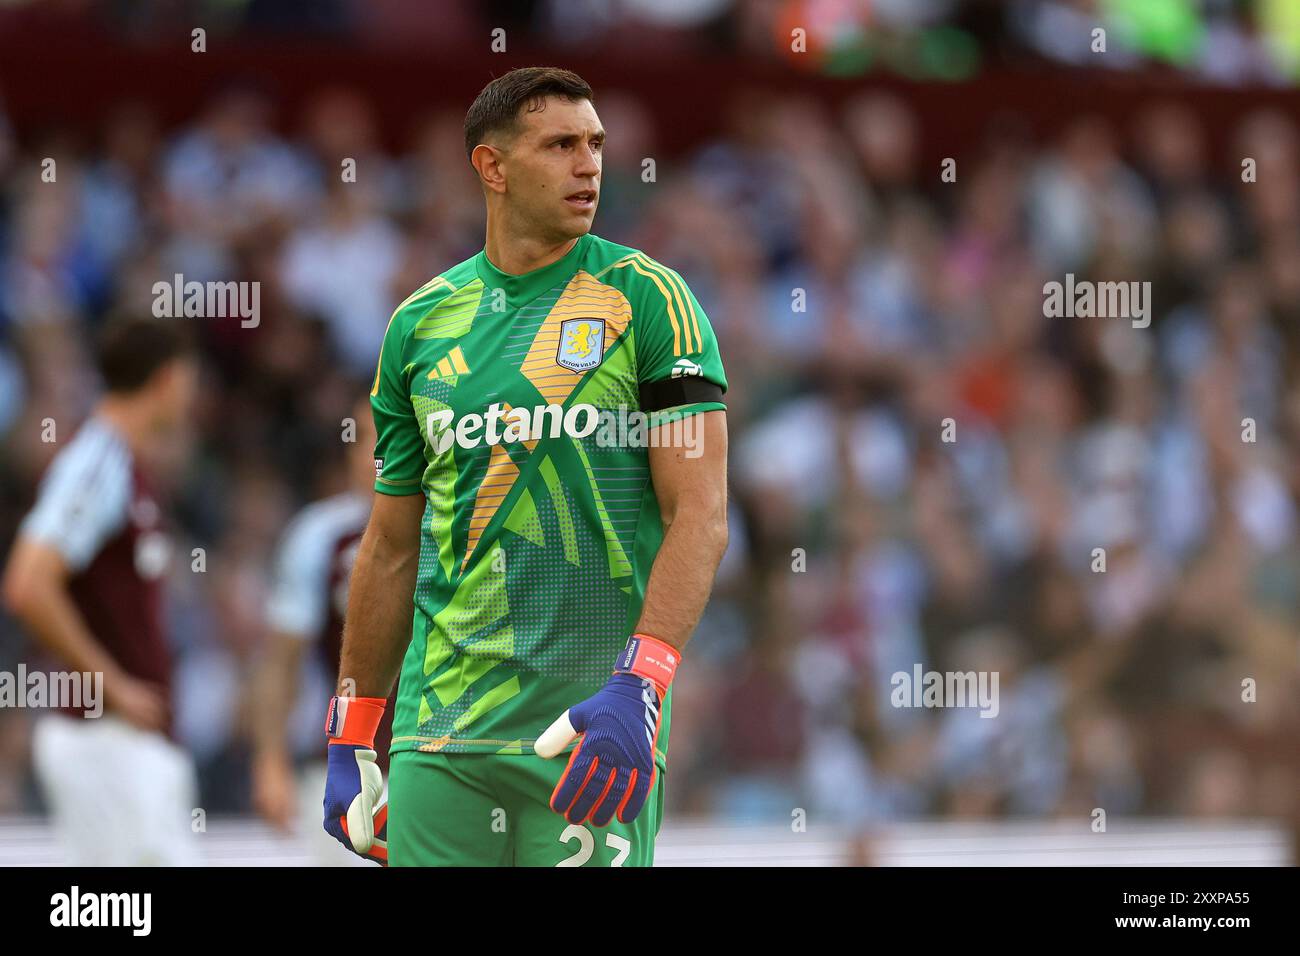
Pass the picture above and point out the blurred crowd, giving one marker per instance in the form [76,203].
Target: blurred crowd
[1219,41]
[923,464]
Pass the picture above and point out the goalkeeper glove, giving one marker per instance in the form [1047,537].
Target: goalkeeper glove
[612,770]
[353,782]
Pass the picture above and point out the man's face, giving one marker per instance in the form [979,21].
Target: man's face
[174,390]
[553,167]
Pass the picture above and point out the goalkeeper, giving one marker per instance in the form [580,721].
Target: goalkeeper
[551,509]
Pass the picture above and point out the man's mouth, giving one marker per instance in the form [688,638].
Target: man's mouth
[582,199]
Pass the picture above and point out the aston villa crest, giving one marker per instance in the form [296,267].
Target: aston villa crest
[582,344]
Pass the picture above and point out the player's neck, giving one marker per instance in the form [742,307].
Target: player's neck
[516,255]
[128,418]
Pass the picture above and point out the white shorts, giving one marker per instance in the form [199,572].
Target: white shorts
[119,796]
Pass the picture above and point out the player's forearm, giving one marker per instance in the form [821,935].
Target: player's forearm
[681,578]
[50,616]
[377,627]
[277,689]
[54,621]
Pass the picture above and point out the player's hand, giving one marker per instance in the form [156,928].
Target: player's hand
[138,702]
[354,785]
[613,767]
[353,813]
[612,770]
[274,790]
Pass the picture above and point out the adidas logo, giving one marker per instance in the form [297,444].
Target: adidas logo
[450,365]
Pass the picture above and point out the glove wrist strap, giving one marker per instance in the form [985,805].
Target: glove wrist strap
[354,720]
[650,658]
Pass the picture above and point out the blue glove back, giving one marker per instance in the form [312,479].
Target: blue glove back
[612,770]
[353,784]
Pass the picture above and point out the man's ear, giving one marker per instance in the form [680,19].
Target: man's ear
[160,382]
[163,383]
[488,163]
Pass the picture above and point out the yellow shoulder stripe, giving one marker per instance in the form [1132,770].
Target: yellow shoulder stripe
[686,305]
[674,300]
[435,283]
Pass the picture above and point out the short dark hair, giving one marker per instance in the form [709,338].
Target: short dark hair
[496,108]
[132,348]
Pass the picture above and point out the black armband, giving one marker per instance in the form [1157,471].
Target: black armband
[671,392]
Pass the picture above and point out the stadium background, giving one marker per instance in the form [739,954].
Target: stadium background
[775,171]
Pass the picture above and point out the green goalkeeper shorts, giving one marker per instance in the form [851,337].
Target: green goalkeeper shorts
[494,810]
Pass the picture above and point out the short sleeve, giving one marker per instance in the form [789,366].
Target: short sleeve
[297,602]
[83,500]
[679,366]
[399,446]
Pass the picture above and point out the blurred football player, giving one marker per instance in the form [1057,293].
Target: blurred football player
[305,615]
[85,578]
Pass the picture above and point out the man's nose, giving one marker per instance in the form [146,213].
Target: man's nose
[588,162]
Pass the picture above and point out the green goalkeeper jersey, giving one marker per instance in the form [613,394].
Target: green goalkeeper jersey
[522,407]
